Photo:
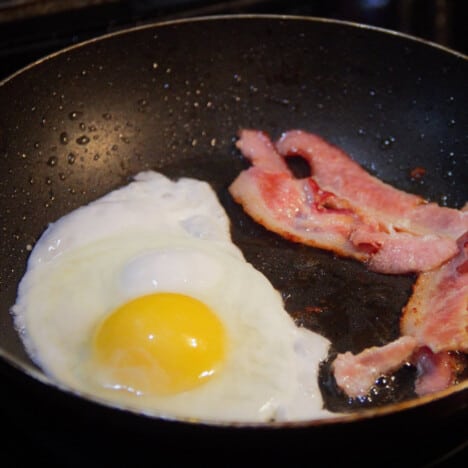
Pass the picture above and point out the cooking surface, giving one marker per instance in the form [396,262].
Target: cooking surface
[346,269]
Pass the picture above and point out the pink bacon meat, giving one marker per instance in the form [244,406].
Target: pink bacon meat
[437,315]
[434,324]
[341,207]
[355,374]
[297,209]
[437,312]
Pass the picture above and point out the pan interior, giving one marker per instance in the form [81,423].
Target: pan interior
[165,97]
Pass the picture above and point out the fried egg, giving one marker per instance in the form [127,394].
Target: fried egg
[141,300]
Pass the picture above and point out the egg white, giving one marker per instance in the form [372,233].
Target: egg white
[158,235]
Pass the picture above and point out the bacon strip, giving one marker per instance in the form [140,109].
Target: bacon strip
[434,323]
[435,371]
[290,208]
[356,374]
[397,210]
[437,312]
[341,207]
[336,172]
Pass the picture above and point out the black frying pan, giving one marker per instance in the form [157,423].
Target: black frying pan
[172,97]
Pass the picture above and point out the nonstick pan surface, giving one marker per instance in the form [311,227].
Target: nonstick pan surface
[172,97]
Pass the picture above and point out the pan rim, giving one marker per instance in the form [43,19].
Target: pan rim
[340,418]
[256,16]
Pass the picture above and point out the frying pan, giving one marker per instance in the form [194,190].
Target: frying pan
[172,97]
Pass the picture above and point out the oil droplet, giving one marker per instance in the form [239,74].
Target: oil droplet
[237,78]
[71,158]
[74,115]
[64,138]
[83,140]
[107,116]
[387,143]
[52,161]
[452,123]
[124,139]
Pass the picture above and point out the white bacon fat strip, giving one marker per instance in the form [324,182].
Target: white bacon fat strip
[341,207]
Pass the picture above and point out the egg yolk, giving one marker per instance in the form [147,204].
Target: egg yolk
[162,343]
